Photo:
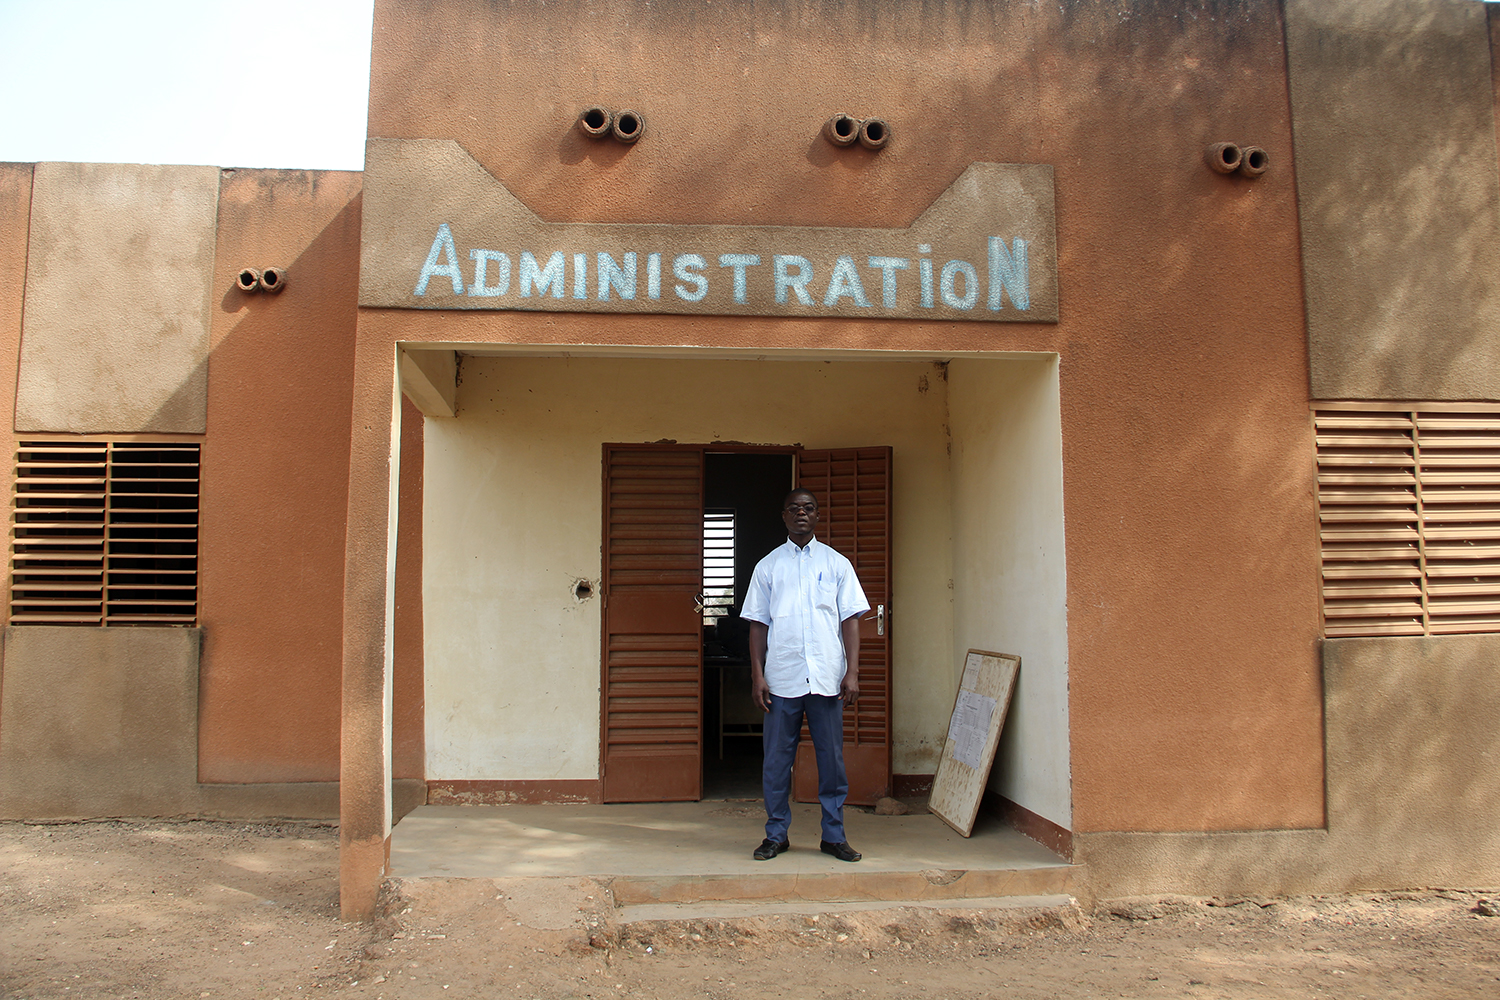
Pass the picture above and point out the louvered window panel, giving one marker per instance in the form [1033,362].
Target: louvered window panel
[718,564]
[105,533]
[1409,512]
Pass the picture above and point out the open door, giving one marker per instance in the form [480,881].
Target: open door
[651,744]
[853,487]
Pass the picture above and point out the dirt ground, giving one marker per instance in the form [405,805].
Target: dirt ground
[198,909]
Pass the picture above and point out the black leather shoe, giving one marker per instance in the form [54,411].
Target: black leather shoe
[769,848]
[841,850]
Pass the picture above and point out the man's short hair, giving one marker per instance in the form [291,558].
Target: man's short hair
[799,491]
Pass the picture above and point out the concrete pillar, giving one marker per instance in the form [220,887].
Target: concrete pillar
[369,603]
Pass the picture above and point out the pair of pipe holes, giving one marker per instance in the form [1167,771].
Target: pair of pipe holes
[845,130]
[272,279]
[598,122]
[1230,158]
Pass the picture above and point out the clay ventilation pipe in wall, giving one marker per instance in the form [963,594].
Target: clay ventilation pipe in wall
[1223,157]
[628,126]
[1254,161]
[841,129]
[273,280]
[249,280]
[874,133]
[596,121]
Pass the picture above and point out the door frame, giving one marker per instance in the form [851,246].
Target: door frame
[716,447]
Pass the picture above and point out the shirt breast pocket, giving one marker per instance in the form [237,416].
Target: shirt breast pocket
[826,596]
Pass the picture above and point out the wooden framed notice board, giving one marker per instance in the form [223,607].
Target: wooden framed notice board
[973,733]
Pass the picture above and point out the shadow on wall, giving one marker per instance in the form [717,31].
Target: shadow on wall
[275,489]
[1400,199]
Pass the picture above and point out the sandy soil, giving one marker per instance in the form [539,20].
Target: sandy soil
[161,910]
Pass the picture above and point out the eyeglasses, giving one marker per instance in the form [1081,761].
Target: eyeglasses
[804,508]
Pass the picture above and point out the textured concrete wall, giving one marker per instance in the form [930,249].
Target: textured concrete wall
[274,478]
[1413,751]
[99,721]
[15,221]
[1393,114]
[104,722]
[1194,698]
[118,296]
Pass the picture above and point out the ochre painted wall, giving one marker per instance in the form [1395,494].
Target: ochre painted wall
[275,478]
[1191,538]
[15,215]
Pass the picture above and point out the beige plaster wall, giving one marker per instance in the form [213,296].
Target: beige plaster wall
[1009,567]
[1412,751]
[101,722]
[1398,195]
[512,519]
[118,290]
[98,722]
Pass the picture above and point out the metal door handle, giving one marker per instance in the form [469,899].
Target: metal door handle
[880,619]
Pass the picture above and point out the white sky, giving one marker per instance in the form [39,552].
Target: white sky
[254,83]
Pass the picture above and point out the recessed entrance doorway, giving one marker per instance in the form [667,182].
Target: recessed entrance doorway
[742,494]
[514,519]
[675,665]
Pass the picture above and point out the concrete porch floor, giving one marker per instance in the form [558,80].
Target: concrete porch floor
[695,852]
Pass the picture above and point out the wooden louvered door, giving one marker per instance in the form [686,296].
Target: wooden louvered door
[653,631]
[853,487]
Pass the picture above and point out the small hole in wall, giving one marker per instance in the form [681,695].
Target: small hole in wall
[583,590]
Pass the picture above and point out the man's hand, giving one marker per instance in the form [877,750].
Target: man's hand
[849,690]
[760,691]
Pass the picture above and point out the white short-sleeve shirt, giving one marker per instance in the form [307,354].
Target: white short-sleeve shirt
[803,594]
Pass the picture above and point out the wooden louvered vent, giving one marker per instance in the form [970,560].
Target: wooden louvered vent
[1409,512]
[105,533]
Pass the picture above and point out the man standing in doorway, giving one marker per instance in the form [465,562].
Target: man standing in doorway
[803,609]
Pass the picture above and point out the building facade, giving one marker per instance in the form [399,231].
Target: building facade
[1153,342]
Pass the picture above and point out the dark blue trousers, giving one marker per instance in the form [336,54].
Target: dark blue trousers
[825,721]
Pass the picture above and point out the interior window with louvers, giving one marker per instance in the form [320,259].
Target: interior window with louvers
[1409,512]
[105,533]
[718,564]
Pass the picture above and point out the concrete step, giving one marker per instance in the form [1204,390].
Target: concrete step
[732,910]
[677,854]
[850,885]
